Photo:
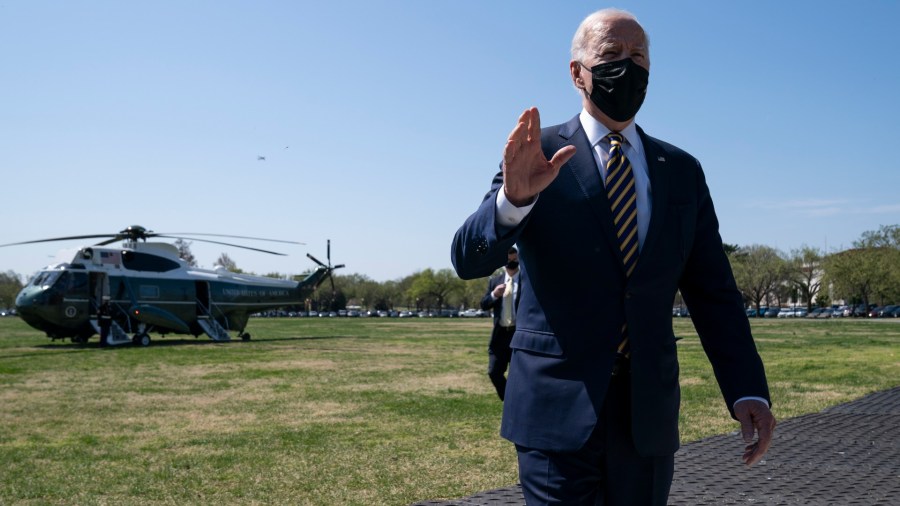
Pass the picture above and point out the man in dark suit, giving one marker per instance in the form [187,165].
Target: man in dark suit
[502,299]
[104,314]
[592,397]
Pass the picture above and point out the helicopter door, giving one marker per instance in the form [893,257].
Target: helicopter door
[98,286]
[202,290]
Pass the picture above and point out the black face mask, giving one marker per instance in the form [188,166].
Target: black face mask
[512,265]
[619,88]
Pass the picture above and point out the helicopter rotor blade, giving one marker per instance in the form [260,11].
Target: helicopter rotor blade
[136,232]
[70,238]
[223,243]
[109,241]
[316,260]
[174,234]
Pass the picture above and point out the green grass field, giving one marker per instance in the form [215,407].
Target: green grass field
[334,411]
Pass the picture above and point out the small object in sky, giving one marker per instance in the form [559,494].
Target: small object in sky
[260,158]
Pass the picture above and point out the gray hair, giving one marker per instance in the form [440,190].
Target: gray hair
[594,25]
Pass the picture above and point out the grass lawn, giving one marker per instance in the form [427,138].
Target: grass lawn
[330,411]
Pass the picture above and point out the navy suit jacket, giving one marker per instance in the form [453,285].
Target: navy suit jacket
[496,305]
[567,329]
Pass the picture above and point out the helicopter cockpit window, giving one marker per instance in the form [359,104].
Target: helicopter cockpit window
[45,278]
[137,261]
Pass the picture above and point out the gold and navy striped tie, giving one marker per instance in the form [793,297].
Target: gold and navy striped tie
[623,203]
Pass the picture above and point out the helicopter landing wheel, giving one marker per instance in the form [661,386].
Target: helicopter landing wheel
[245,336]
[141,340]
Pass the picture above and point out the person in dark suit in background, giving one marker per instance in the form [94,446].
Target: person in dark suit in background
[104,314]
[502,299]
[592,396]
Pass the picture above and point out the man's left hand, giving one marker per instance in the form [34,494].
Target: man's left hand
[755,417]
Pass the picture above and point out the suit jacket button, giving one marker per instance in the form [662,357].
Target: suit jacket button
[481,246]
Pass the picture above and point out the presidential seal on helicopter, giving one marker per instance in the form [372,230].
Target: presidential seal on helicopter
[124,293]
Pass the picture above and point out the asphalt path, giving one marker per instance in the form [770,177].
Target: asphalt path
[845,455]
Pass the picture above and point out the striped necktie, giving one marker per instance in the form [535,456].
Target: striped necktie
[623,203]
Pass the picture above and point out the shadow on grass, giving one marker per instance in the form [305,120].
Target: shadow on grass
[160,342]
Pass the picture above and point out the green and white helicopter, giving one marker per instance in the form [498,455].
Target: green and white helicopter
[150,289]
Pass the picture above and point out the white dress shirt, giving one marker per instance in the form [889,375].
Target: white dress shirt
[515,281]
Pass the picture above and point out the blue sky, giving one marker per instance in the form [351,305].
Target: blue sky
[382,123]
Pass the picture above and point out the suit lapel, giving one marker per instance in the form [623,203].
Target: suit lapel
[584,169]
[659,192]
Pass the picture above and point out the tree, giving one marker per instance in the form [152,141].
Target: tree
[887,236]
[472,292]
[870,270]
[10,285]
[227,263]
[360,289]
[432,286]
[886,243]
[758,271]
[854,273]
[184,252]
[403,291]
[805,272]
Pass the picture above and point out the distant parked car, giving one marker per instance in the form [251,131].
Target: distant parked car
[758,312]
[785,312]
[817,312]
[800,312]
[468,313]
[886,311]
[772,312]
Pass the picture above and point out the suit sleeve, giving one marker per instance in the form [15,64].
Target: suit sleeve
[488,301]
[717,308]
[481,243]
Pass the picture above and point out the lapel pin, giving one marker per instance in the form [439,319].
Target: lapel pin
[660,158]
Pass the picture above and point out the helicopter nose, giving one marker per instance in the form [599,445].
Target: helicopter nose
[27,304]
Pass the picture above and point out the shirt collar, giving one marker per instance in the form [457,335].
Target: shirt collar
[596,131]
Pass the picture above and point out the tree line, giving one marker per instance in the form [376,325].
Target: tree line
[869,272]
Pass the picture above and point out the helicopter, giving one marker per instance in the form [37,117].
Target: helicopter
[145,287]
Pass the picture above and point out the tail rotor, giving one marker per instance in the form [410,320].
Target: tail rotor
[329,269]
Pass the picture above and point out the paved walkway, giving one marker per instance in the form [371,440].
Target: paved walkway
[845,455]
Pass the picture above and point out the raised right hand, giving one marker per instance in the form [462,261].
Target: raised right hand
[526,171]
